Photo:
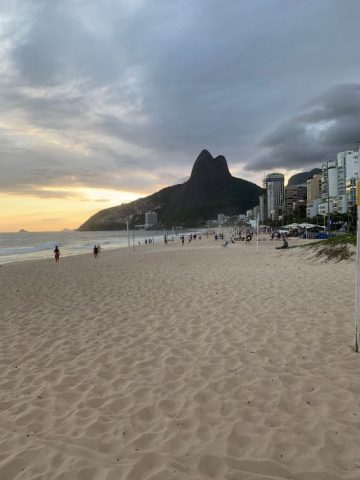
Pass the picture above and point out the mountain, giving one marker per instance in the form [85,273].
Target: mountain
[303,177]
[211,189]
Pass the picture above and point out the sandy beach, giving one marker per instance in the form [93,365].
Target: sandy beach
[179,362]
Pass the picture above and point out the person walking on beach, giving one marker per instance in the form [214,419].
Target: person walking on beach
[96,251]
[57,253]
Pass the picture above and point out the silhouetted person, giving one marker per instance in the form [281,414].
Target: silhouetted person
[57,253]
[96,251]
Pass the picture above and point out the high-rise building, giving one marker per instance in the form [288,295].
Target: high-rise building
[338,185]
[340,179]
[347,168]
[329,180]
[294,194]
[150,219]
[329,189]
[312,208]
[351,181]
[313,186]
[347,173]
[262,208]
[351,192]
[274,184]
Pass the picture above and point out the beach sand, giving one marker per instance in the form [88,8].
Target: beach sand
[179,362]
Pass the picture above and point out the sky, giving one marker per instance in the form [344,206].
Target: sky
[105,102]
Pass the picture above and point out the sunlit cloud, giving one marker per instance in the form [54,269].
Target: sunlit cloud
[113,197]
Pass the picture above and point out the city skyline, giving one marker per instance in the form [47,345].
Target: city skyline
[103,104]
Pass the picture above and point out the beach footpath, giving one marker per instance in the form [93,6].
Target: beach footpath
[192,361]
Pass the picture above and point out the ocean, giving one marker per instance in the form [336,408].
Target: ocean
[22,246]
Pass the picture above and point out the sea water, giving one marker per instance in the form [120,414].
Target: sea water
[37,245]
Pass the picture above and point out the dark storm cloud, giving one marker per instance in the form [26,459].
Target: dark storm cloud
[124,94]
[329,124]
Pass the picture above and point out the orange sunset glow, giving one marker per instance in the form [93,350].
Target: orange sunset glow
[51,214]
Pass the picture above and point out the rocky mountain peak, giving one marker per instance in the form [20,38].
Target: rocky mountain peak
[208,167]
[210,190]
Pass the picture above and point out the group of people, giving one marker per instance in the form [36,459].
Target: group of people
[96,251]
[278,235]
[191,237]
[148,241]
[246,237]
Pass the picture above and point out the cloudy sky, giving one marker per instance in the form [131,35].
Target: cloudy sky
[103,102]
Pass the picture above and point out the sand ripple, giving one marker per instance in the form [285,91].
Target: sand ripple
[179,363]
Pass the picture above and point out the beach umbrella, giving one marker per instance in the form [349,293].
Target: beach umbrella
[306,225]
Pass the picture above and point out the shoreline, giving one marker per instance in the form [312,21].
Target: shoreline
[42,246]
[160,244]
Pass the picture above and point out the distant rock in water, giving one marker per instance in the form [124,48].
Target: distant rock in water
[22,230]
[302,177]
[211,189]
